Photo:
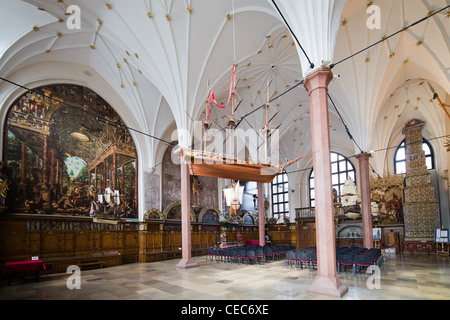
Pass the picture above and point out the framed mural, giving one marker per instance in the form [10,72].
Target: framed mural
[387,199]
[59,158]
[209,214]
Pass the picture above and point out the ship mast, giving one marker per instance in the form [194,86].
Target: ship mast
[206,123]
[232,121]
[266,126]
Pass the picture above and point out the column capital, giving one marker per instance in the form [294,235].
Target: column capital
[363,156]
[318,78]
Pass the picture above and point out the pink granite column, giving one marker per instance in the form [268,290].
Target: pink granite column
[326,281]
[262,215]
[364,185]
[186,261]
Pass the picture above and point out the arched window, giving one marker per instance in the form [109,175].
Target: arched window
[341,170]
[280,195]
[400,157]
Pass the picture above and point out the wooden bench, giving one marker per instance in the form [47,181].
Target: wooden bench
[90,264]
[92,261]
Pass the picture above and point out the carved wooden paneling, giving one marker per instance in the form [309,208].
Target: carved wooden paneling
[156,240]
[68,241]
[12,245]
[82,242]
[108,241]
[306,236]
[96,240]
[131,240]
[177,240]
[50,242]
[34,242]
[12,239]
[61,240]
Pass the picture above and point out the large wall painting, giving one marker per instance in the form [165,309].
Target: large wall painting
[58,156]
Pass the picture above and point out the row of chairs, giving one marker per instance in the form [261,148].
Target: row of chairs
[302,258]
[247,254]
[357,258]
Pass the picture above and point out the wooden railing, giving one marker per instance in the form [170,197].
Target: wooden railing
[305,213]
[310,212]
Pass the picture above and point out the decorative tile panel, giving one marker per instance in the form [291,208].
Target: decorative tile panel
[421,209]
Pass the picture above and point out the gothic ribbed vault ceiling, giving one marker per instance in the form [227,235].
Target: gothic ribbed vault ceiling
[155,58]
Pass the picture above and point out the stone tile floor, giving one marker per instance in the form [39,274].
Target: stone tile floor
[403,277]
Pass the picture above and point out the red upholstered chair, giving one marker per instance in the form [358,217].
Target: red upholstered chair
[275,252]
[234,255]
[211,254]
[220,255]
[344,259]
[303,257]
[291,259]
[260,255]
[242,253]
[268,253]
[363,260]
[283,250]
[251,256]
[313,262]
[227,255]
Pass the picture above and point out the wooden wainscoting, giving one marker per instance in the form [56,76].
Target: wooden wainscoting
[61,242]
[281,234]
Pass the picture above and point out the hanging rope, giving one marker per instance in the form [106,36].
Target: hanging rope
[234,33]
[212,97]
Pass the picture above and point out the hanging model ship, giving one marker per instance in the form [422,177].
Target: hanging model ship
[233,198]
[202,163]
[351,200]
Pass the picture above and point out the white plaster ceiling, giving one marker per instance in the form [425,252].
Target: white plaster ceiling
[158,55]
[377,84]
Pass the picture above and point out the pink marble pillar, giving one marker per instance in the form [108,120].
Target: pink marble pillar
[262,215]
[186,258]
[364,185]
[326,281]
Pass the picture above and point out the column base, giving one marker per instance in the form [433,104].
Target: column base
[328,286]
[186,264]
